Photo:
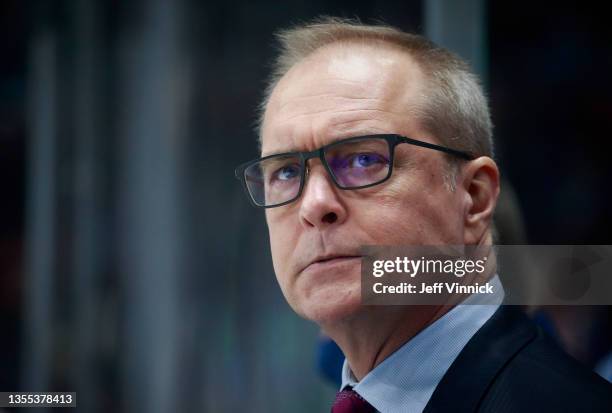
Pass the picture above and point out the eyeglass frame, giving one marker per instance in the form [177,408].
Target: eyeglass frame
[392,140]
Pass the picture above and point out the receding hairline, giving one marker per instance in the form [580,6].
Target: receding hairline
[299,43]
[408,66]
[451,105]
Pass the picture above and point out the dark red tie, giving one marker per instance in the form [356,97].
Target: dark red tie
[349,401]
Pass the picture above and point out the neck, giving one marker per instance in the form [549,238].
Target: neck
[368,338]
[375,332]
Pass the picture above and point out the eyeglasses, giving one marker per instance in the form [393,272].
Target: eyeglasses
[353,163]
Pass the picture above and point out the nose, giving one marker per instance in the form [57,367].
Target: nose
[320,204]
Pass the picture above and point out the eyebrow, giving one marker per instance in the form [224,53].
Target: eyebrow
[362,132]
[289,150]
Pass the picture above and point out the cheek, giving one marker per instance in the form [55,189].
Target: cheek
[282,242]
[407,213]
[390,224]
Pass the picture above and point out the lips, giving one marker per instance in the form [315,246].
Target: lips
[330,260]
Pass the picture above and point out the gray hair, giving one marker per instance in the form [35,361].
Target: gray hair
[453,107]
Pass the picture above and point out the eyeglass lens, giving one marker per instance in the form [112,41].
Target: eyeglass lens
[353,164]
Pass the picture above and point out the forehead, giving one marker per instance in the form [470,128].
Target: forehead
[341,91]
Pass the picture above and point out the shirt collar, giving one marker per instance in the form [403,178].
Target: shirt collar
[406,379]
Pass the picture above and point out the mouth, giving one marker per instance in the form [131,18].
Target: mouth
[330,261]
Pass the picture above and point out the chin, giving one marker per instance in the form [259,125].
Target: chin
[331,306]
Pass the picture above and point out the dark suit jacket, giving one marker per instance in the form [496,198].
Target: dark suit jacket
[511,366]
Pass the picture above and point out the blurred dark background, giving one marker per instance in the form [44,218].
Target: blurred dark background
[132,268]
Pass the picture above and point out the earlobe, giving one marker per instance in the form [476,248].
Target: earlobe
[481,183]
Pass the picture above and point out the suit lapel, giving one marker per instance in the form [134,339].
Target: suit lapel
[467,380]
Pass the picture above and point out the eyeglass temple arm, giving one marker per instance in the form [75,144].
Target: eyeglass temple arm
[433,146]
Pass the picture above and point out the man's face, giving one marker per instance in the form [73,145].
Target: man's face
[336,93]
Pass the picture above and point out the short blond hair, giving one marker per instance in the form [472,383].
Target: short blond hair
[453,109]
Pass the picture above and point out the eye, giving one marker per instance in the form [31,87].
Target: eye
[286,173]
[365,160]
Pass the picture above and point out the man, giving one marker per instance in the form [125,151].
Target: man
[372,136]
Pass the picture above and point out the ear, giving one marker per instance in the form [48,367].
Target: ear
[480,181]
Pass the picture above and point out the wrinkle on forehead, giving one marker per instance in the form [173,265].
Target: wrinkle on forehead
[338,124]
[338,89]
